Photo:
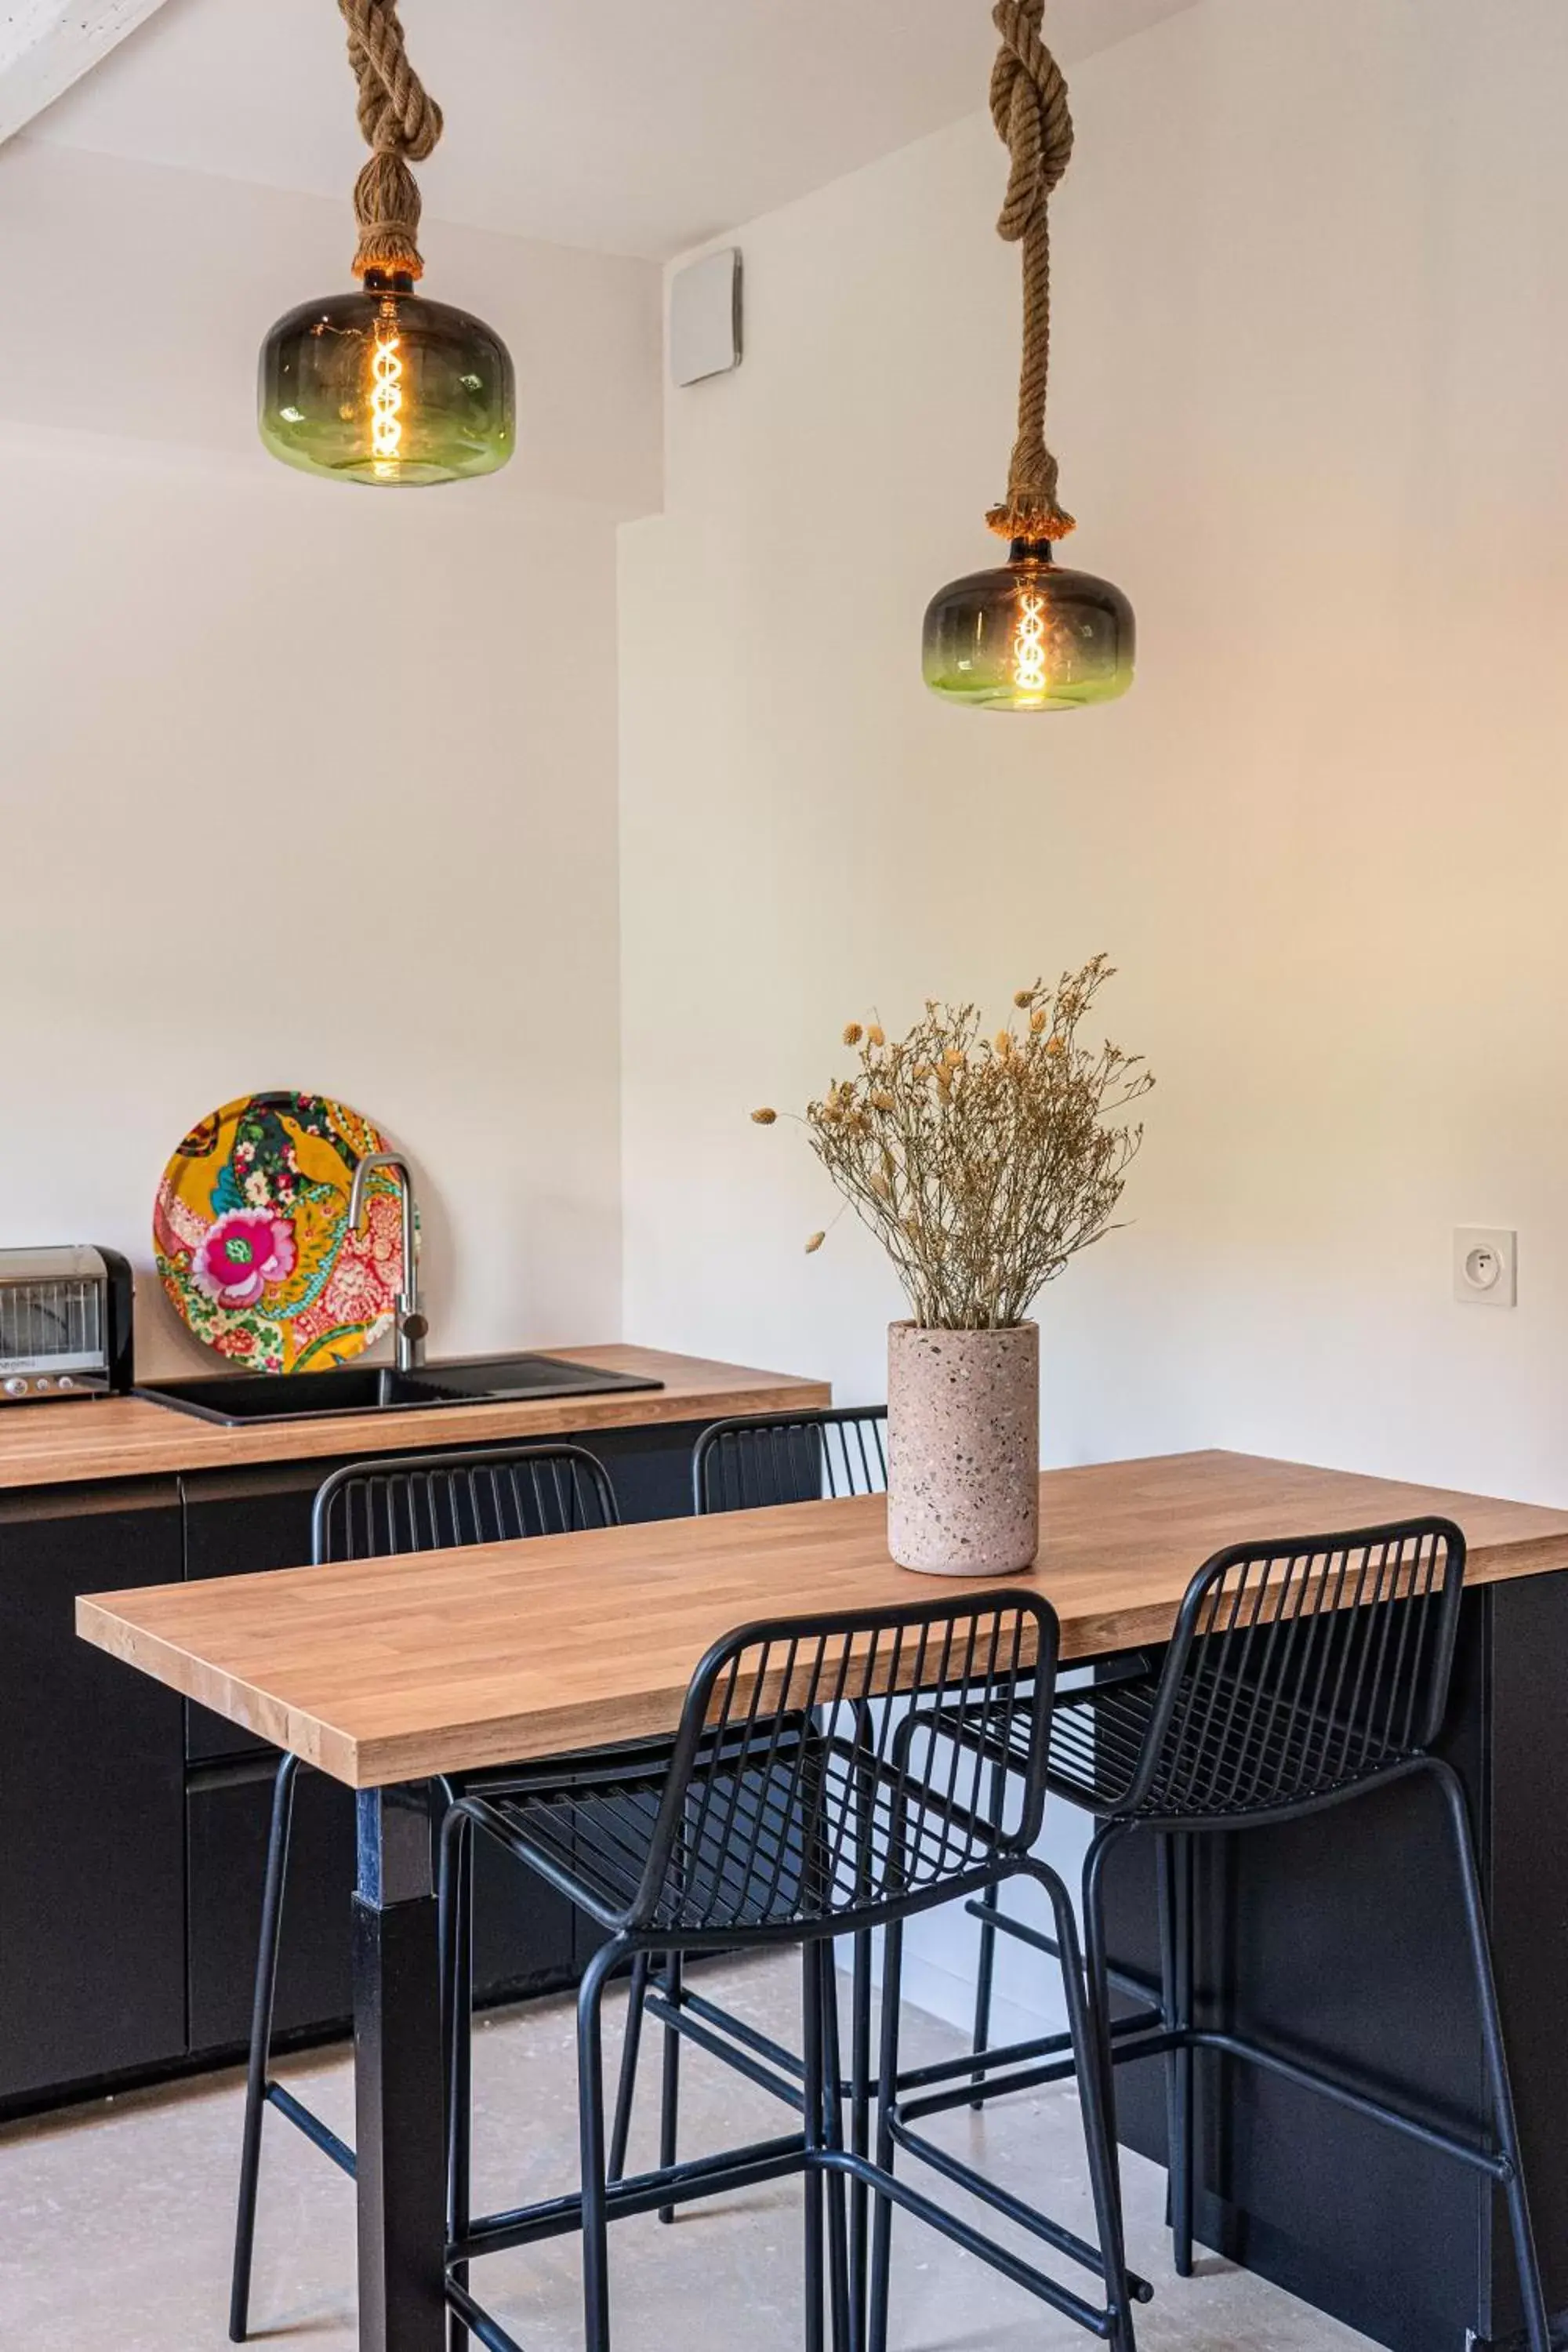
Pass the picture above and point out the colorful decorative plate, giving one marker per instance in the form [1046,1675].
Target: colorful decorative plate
[251,1234]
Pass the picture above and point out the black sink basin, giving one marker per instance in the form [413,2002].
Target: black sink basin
[240,1397]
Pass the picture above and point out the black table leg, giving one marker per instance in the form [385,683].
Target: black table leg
[397,2079]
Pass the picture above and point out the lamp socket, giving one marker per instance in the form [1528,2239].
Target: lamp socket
[1486,1266]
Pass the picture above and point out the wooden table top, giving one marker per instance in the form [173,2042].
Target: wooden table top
[393,1670]
[127,1437]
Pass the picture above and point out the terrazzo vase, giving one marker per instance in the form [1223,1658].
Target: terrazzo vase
[964,1449]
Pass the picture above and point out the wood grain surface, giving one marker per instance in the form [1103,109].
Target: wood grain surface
[126,1437]
[393,1670]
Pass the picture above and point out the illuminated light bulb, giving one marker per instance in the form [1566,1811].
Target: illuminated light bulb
[386,401]
[387,387]
[1028,635]
[1029,646]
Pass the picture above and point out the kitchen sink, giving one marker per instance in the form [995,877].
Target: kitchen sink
[236,1398]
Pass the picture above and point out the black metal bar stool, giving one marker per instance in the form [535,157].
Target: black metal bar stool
[751,1462]
[369,1510]
[802,1801]
[1301,1675]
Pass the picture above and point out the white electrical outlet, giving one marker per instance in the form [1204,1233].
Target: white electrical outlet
[1485,1267]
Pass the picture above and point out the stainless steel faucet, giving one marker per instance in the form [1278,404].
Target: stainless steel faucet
[411,1325]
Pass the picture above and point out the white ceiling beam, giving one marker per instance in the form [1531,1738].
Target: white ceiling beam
[45,45]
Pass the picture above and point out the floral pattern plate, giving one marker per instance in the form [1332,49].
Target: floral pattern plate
[251,1234]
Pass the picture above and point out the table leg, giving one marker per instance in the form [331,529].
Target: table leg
[398,2078]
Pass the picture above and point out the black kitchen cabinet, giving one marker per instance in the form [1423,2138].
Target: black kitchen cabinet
[227,1815]
[246,1522]
[526,1940]
[650,1469]
[133,1828]
[523,1937]
[93,1975]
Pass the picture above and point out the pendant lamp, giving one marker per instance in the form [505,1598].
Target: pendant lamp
[382,385]
[1029,634]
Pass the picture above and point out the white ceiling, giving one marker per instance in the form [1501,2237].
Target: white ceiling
[634,126]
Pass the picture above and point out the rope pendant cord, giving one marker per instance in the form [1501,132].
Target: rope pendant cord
[1029,107]
[401,122]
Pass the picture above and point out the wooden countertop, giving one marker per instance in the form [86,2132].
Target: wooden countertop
[127,1437]
[393,1670]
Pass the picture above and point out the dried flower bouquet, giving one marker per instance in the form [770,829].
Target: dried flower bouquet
[982,1164]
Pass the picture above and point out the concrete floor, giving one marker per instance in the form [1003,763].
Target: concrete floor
[115,2220]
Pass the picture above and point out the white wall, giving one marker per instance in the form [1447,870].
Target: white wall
[302,786]
[1311,373]
[1312,369]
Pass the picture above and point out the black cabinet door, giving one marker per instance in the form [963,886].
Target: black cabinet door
[92,1979]
[522,1929]
[227,1817]
[245,1522]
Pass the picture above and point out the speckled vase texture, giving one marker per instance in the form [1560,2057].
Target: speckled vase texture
[964,1449]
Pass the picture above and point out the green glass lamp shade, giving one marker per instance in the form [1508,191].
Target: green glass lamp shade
[1028,635]
[383,386]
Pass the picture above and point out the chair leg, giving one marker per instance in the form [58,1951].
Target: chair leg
[861,2006]
[631,2047]
[591,2127]
[670,2097]
[1175,1859]
[1537,2327]
[812,2052]
[458,1944]
[1089,2024]
[842,2265]
[880,2284]
[1184,2174]
[260,2045]
[859,2118]
[990,1901]
[1099,1966]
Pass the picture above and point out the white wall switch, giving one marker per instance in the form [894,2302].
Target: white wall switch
[1485,1267]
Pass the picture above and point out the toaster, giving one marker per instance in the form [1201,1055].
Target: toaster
[65,1324]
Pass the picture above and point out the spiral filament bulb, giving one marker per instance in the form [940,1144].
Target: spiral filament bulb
[1029,645]
[386,400]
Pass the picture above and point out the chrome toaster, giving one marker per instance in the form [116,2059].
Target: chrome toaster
[65,1324]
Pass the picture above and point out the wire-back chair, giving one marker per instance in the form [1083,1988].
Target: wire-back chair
[376,1510]
[810,1794]
[750,1462]
[788,1803]
[1301,1673]
[438,1502]
[753,1462]
[1295,1670]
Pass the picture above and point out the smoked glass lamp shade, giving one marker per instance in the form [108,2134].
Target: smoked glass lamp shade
[384,387]
[1029,635]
